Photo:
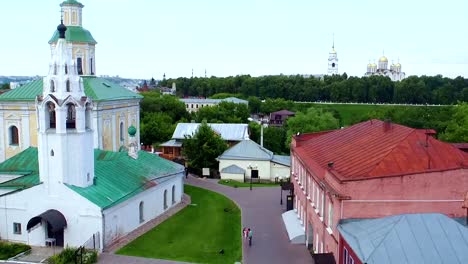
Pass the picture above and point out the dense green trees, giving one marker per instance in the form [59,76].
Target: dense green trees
[313,120]
[225,112]
[159,115]
[337,88]
[457,126]
[203,148]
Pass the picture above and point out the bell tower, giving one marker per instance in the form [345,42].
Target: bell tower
[332,60]
[65,138]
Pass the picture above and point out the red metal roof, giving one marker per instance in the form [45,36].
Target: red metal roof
[375,149]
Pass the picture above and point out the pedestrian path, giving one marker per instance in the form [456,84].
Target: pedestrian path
[261,211]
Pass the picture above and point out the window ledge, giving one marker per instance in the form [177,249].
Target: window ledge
[321,218]
[316,210]
[329,230]
[313,205]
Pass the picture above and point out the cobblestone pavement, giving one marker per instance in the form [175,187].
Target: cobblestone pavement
[261,211]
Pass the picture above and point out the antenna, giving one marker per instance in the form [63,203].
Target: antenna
[192,72]
[205,73]
[333,46]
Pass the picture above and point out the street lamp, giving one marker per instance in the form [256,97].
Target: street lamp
[250,167]
[281,189]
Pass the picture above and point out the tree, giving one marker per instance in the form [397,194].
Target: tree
[457,128]
[225,112]
[171,105]
[156,128]
[254,104]
[5,86]
[313,120]
[274,139]
[203,147]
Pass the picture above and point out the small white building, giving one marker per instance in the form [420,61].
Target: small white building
[193,104]
[248,159]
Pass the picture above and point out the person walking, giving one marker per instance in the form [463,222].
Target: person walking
[250,237]
[244,232]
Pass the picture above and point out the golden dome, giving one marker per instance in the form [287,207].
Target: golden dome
[333,51]
[383,59]
[373,65]
[398,65]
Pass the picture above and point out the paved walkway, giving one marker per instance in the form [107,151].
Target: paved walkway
[261,211]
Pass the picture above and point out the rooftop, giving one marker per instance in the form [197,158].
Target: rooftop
[231,132]
[75,34]
[118,176]
[98,89]
[375,148]
[408,238]
[250,150]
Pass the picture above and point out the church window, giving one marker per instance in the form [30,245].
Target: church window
[141,207]
[14,137]
[66,69]
[333,65]
[79,65]
[91,66]
[68,85]
[71,116]
[165,199]
[55,69]
[52,153]
[17,228]
[51,114]
[73,17]
[122,136]
[173,194]
[88,176]
[52,86]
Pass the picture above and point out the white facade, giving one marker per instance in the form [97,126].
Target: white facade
[267,170]
[394,73]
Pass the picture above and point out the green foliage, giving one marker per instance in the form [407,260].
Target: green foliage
[313,120]
[457,127]
[159,113]
[254,104]
[337,88]
[203,147]
[67,256]
[274,138]
[156,128]
[273,105]
[4,86]
[254,131]
[225,112]
[8,250]
[225,95]
[196,234]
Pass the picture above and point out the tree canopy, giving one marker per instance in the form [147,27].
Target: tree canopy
[313,120]
[203,147]
[457,127]
[225,112]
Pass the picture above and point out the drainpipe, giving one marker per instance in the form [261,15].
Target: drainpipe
[103,232]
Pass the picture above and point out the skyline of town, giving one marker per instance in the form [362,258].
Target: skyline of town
[249,37]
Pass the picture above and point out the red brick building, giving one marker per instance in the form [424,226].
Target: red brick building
[369,170]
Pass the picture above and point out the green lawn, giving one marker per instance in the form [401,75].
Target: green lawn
[195,234]
[236,184]
[8,250]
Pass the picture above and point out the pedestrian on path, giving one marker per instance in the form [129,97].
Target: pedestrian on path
[250,237]
[244,232]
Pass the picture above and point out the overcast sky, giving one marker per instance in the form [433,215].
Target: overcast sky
[145,38]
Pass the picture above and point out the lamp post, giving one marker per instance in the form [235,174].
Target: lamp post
[250,167]
[281,189]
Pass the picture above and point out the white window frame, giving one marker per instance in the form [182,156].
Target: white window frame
[345,255]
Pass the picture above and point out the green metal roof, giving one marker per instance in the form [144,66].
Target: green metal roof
[23,164]
[98,89]
[71,2]
[118,176]
[75,34]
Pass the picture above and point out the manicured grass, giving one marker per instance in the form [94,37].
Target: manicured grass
[8,250]
[196,234]
[236,184]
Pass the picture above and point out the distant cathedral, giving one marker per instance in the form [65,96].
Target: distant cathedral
[332,61]
[394,73]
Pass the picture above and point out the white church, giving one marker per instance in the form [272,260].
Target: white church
[394,72]
[67,175]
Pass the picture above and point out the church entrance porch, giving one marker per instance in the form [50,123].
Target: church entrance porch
[51,234]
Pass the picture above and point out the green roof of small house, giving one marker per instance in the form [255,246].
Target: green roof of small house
[71,2]
[75,34]
[98,89]
[118,176]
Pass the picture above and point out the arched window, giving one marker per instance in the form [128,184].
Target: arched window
[52,153]
[141,207]
[71,116]
[14,137]
[55,69]
[68,85]
[165,199]
[91,66]
[122,135]
[79,65]
[173,194]
[51,114]
[66,69]
[52,86]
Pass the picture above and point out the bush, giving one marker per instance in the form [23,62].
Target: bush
[8,250]
[67,256]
